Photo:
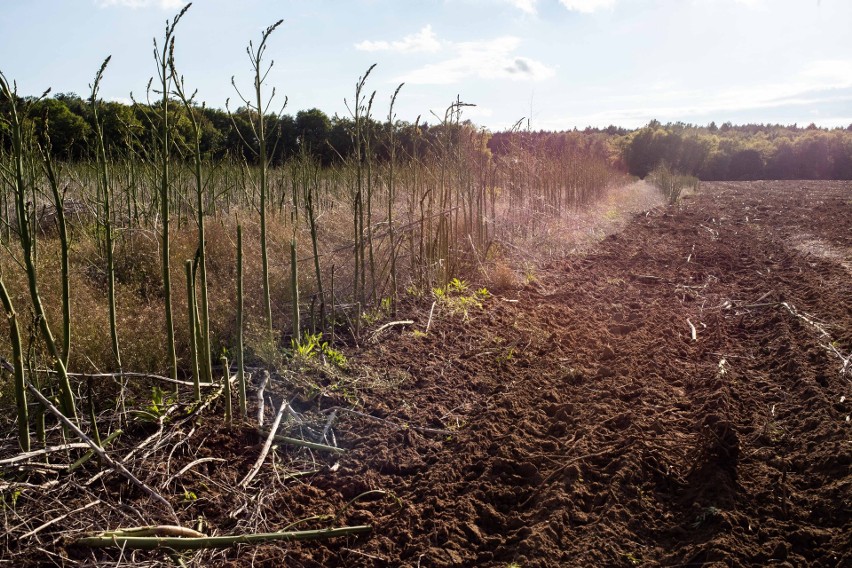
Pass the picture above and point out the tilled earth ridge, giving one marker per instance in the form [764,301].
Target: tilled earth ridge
[591,429]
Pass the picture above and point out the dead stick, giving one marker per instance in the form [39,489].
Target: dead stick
[431,310]
[389,325]
[116,465]
[50,450]
[306,444]
[188,467]
[43,526]
[179,543]
[157,530]
[125,374]
[260,401]
[266,446]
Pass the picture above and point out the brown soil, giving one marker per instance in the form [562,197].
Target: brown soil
[577,422]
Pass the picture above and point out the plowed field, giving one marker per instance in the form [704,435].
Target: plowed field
[677,395]
[592,427]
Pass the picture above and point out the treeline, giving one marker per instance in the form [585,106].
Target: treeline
[748,152]
[130,129]
[726,152]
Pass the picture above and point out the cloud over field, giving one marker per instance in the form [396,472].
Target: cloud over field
[495,58]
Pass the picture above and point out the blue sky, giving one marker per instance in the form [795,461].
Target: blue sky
[561,63]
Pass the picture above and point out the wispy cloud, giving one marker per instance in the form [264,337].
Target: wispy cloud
[823,85]
[489,59]
[486,59]
[588,6]
[162,4]
[423,41]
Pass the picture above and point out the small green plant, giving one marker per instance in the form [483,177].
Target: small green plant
[506,356]
[189,496]
[13,497]
[160,403]
[372,316]
[456,285]
[306,349]
[333,356]
[312,346]
[672,183]
[454,296]
[414,291]
[705,515]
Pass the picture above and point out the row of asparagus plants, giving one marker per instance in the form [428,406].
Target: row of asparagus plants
[417,219]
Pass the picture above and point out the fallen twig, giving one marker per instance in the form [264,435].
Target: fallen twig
[188,467]
[43,526]
[328,424]
[306,444]
[197,543]
[807,318]
[15,485]
[845,359]
[646,277]
[36,453]
[128,374]
[389,325]
[431,311]
[117,465]
[266,446]
[260,401]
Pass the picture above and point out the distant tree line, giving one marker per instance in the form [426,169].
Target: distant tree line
[726,152]
[129,130]
[747,152]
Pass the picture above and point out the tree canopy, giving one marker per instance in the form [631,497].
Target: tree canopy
[726,152]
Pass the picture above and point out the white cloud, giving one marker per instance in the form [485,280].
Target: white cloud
[588,6]
[423,41]
[526,6]
[820,84]
[487,59]
[162,4]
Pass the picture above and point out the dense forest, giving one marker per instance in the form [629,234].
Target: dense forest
[748,152]
[726,152]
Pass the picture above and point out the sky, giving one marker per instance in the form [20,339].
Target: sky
[558,64]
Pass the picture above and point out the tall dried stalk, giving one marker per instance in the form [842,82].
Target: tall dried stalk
[22,184]
[259,131]
[105,189]
[204,350]
[165,146]
[17,369]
